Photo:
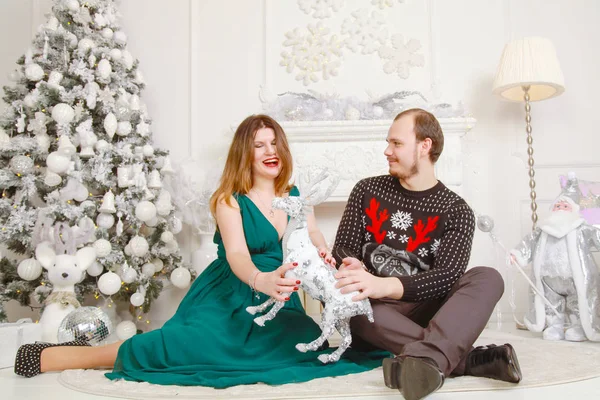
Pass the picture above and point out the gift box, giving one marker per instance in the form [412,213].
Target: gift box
[14,335]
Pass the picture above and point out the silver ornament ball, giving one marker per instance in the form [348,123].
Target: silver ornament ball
[485,223]
[85,323]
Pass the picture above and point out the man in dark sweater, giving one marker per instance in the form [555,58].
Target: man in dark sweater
[404,241]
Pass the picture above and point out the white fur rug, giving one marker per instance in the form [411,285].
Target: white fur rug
[543,363]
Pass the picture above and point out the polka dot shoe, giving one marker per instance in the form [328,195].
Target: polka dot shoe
[29,356]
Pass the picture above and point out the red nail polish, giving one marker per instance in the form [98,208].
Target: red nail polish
[297,282]
[295,288]
[295,264]
[287,298]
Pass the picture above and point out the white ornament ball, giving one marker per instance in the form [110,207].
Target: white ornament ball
[136,299]
[102,145]
[57,163]
[124,128]
[105,220]
[127,249]
[148,151]
[158,264]
[127,59]
[148,270]
[129,275]
[172,246]
[102,247]
[120,37]
[110,124]
[107,33]
[166,236]
[95,269]
[152,222]
[378,111]
[34,72]
[139,246]
[145,211]
[352,114]
[29,269]
[104,68]
[99,20]
[86,44]
[176,225]
[126,330]
[29,101]
[115,54]
[72,5]
[109,283]
[180,277]
[63,113]
[51,179]
[21,164]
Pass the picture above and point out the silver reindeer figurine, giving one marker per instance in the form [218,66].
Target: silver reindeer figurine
[316,276]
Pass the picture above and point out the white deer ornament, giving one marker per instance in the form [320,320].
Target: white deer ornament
[317,277]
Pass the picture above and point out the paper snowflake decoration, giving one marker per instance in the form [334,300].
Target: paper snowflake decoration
[320,8]
[401,56]
[313,52]
[364,31]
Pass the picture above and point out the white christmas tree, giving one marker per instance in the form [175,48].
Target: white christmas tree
[77,164]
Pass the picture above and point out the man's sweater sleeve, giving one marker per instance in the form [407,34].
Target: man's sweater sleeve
[451,258]
[350,234]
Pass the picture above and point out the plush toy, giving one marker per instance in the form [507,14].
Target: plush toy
[317,277]
[564,272]
[64,271]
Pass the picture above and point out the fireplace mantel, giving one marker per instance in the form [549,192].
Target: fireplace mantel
[354,149]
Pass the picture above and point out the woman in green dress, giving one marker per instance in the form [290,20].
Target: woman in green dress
[211,340]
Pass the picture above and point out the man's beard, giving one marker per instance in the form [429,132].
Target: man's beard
[414,169]
[559,223]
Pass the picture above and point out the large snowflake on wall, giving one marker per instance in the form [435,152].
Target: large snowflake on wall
[386,3]
[313,52]
[401,56]
[320,8]
[365,30]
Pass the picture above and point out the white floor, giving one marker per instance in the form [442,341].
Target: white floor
[47,387]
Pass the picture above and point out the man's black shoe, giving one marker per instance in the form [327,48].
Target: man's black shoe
[419,377]
[495,362]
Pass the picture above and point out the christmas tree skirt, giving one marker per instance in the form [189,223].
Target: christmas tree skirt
[543,363]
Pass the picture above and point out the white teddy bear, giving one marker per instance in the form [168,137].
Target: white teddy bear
[64,271]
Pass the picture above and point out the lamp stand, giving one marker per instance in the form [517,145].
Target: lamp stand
[532,194]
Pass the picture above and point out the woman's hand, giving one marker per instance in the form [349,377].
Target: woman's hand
[326,256]
[274,283]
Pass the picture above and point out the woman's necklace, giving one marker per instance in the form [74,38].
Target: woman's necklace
[271,211]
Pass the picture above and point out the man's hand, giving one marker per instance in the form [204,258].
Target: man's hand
[353,277]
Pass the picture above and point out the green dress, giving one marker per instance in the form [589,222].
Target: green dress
[212,341]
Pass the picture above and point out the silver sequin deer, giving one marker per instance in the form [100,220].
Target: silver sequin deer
[316,276]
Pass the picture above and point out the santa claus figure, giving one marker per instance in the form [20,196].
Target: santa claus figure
[565,272]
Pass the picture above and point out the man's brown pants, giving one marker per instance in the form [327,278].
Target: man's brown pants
[441,329]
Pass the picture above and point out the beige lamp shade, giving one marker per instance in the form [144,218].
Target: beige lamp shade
[529,62]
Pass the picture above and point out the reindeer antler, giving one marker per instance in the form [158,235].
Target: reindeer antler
[316,184]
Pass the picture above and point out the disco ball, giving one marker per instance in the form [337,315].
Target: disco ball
[85,323]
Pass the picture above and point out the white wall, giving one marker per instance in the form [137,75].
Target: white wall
[203,78]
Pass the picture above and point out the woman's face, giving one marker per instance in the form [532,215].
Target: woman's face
[266,162]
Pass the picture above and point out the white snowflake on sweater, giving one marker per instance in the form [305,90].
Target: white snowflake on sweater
[403,238]
[314,52]
[385,3]
[364,220]
[322,8]
[435,246]
[400,57]
[391,235]
[368,236]
[401,219]
[423,252]
[366,31]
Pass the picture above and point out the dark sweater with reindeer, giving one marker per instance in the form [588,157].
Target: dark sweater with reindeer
[423,238]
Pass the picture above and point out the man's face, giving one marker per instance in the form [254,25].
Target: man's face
[402,151]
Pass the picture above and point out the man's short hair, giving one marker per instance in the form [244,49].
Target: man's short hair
[426,126]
